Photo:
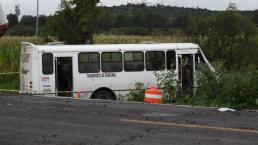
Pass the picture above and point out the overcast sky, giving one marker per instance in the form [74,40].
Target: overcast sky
[47,7]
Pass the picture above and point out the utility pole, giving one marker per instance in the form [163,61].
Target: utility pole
[162,4]
[37,22]
[17,10]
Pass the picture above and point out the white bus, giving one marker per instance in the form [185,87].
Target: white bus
[103,71]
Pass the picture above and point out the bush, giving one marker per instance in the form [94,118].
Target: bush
[138,94]
[235,89]
[9,82]
[169,84]
[130,31]
[21,30]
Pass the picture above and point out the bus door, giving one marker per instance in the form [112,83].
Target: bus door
[64,76]
[186,73]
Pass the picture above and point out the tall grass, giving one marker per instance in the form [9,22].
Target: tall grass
[128,39]
[10,52]
[9,61]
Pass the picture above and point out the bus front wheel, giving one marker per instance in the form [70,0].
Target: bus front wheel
[104,95]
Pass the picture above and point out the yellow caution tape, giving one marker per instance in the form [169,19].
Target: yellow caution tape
[9,73]
[5,90]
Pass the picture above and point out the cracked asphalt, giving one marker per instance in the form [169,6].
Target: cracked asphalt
[34,120]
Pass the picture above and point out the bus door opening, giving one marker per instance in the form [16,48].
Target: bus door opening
[186,73]
[64,76]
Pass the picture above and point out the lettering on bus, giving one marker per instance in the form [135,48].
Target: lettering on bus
[103,75]
[45,91]
[45,79]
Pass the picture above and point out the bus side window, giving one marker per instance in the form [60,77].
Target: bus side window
[47,63]
[133,61]
[111,62]
[89,62]
[155,60]
[171,60]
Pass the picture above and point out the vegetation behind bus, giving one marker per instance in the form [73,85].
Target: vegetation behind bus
[236,89]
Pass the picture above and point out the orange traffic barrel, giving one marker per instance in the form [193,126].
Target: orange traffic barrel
[78,95]
[153,95]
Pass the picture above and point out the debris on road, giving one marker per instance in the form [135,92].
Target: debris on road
[226,110]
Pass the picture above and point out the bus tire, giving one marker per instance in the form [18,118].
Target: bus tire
[104,94]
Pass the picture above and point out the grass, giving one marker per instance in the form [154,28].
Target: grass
[9,61]
[9,82]
[128,39]
[10,53]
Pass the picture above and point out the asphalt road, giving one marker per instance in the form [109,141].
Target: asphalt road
[32,120]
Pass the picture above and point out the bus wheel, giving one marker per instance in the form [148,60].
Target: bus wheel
[104,95]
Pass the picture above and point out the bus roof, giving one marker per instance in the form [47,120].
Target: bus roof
[113,47]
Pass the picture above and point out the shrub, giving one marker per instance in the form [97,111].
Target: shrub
[21,30]
[169,84]
[130,31]
[9,82]
[235,89]
[137,95]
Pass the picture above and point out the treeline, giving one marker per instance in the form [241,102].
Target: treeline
[143,20]
[129,19]
[26,26]
[154,19]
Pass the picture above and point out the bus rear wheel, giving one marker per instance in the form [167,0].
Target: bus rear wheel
[104,95]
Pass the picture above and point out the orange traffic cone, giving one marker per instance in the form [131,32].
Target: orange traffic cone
[78,95]
[153,95]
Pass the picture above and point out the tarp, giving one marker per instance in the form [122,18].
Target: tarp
[3,21]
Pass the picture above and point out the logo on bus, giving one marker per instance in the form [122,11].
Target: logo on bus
[45,79]
[104,75]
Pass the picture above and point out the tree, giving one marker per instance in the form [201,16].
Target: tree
[12,19]
[21,30]
[75,22]
[149,20]
[105,20]
[256,18]
[182,21]
[226,37]
[43,20]
[232,7]
[122,20]
[28,21]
